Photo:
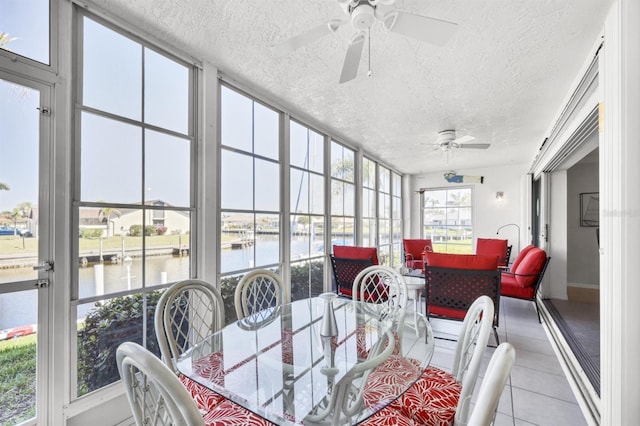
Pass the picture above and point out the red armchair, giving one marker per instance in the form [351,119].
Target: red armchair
[525,276]
[414,250]
[494,247]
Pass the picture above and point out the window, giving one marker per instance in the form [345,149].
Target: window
[369,205]
[447,219]
[135,207]
[384,215]
[381,211]
[396,219]
[343,195]
[250,189]
[306,194]
[24,28]
[250,183]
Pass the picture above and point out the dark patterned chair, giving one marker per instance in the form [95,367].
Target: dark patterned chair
[455,281]
[356,252]
[345,271]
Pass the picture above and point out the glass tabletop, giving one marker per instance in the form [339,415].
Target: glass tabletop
[276,363]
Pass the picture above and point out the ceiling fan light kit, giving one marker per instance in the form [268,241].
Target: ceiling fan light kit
[447,141]
[362,17]
[363,14]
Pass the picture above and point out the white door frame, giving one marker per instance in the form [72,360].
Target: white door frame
[44,280]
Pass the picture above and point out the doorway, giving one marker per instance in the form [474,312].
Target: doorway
[24,247]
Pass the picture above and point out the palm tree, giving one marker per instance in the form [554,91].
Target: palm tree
[4,40]
[105,214]
[4,187]
[22,210]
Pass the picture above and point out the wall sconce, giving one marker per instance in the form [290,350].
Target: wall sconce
[500,197]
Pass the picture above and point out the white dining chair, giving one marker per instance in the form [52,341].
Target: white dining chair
[186,313]
[158,398]
[257,291]
[345,402]
[155,394]
[383,285]
[493,383]
[447,396]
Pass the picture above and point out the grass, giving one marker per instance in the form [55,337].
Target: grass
[14,245]
[17,380]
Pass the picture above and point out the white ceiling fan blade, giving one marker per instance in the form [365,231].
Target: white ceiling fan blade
[352,58]
[381,2]
[430,30]
[463,139]
[475,145]
[308,37]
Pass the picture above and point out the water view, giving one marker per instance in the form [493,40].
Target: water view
[18,309]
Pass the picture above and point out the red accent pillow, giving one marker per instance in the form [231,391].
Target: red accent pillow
[530,267]
[462,261]
[353,252]
[520,257]
[492,247]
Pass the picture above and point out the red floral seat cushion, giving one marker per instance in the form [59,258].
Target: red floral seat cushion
[389,417]
[209,367]
[205,398]
[392,377]
[229,413]
[361,342]
[431,400]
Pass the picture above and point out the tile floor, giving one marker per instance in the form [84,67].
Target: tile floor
[538,392]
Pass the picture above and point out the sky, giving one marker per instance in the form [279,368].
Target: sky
[26,21]
[111,150]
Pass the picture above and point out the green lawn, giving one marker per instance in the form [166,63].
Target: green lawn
[14,245]
[17,379]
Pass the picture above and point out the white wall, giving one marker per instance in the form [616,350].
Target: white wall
[555,283]
[583,259]
[489,215]
[619,217]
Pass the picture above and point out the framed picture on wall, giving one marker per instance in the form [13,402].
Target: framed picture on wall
[590,209]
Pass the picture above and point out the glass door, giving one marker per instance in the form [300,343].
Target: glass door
[24,273]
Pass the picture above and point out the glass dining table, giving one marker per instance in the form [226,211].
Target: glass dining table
[277,364]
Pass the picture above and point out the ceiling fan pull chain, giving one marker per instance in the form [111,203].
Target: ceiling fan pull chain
[369,73]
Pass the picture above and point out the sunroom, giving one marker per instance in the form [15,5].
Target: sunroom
[148,142]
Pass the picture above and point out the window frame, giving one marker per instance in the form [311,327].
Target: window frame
[438,246]
[148,208]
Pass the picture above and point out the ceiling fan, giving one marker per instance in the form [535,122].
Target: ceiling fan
[447,141]
[362,15]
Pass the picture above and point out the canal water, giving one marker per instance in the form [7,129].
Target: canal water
[20,308]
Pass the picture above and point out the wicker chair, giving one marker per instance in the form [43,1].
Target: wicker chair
[258,291]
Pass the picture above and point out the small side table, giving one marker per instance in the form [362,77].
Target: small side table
[415,284]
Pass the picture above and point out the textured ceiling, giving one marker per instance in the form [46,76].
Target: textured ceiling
[502,77]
